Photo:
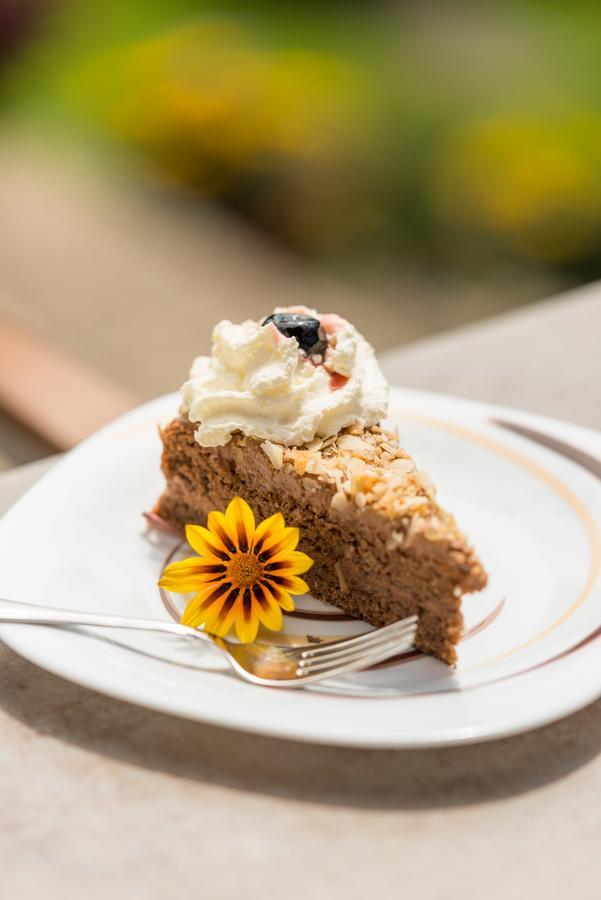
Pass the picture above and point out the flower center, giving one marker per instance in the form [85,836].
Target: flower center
[244,569]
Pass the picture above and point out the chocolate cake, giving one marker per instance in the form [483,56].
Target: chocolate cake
[382,546]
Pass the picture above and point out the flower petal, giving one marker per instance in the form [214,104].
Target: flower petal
[210,612]
[290,563]
[200,609]
[274,524]
[284,542]
[206,544]
[190,615]
[193,613]
[281,597]
[221,528]
[247,623]
[241,522]
[190,574]
[247,631]
[266,608]
[227,614]
[289,583]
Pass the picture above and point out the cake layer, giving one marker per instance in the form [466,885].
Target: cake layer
[382,546]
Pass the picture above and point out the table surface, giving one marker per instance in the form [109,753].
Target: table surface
[104,799]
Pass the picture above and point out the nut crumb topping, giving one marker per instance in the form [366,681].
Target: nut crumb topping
[368,469]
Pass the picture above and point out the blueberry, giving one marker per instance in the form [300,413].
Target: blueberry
[305,329]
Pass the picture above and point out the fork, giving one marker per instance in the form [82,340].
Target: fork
[260,663]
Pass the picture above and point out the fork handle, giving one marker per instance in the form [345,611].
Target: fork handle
[30,614]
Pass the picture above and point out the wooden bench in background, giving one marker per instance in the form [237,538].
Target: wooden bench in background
[52,395]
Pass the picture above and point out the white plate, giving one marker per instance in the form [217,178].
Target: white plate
[526,489]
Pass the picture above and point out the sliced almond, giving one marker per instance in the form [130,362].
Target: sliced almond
[425,482]
[315,444]
[395,481]
[274,453]
[379,488]
[402,465]
[313,465]
[412,530]
[356,466]
[352,443]
[360,499]
[401,507]
[339,501]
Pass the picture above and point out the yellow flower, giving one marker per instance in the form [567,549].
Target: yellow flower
[244,574]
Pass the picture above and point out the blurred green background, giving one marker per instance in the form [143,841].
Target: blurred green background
[457,138]
[167,163]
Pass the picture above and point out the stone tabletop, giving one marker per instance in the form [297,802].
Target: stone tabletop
[101,799]
[545,358]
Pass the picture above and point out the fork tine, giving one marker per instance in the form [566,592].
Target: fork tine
[360,640]
[360,660]
[359,643]
[354,655]
[332,668]
[342,655]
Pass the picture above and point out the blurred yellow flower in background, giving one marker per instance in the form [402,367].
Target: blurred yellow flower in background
[210,102]
[535,182]
[355,136]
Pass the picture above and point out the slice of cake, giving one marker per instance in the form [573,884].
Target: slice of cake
[285,414]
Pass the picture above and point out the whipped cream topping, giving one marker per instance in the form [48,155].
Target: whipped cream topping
[257,381]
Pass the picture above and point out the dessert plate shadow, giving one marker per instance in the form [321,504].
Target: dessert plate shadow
[526,489]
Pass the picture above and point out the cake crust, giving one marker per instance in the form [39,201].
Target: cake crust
[382,546]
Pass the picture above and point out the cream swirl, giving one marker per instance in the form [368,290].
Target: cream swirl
[258,382]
